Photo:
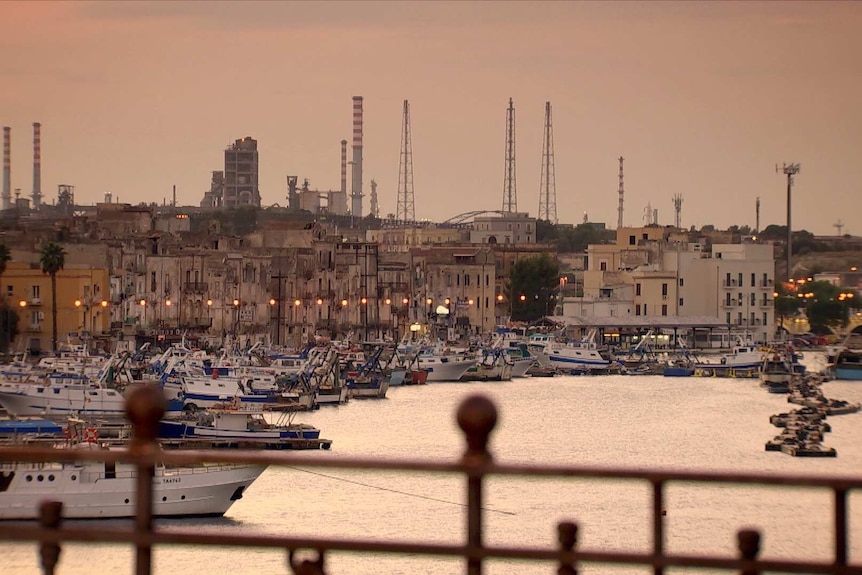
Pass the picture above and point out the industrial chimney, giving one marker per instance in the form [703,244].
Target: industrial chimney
[6,197]
[356,187]
[37,165]
[344,167]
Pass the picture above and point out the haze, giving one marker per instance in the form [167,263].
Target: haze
[702,99]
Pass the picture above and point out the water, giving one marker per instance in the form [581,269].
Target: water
[649,422]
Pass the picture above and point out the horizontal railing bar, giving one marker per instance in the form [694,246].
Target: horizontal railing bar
[185,457]
[77,534]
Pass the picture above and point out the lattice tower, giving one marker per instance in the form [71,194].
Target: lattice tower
[547,185]
[405,211]
[510,191]
[621,192]
[677,210]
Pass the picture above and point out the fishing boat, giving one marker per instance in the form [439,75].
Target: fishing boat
[103,490]
[847,364]
[776,373]
[238,422]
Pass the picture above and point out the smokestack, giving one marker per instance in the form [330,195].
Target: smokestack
[356,188]
[174,204]
[37,165]
[344,167]
[6,197]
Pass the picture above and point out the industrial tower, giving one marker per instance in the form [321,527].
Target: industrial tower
[789,170]
[7,168]
[37,165]
[621,192]
[510,191]
[547,185]
[356,184]
[375,207]
[757,216]
[405,210]
[677,210]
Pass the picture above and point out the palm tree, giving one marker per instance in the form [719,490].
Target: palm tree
[53,258]
[5,257]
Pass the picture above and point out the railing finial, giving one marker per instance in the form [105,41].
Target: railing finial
[748,541]
[567,537]
[145,406]
[50,517]
[477,417]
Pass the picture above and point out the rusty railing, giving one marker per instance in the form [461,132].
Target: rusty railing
[477,417]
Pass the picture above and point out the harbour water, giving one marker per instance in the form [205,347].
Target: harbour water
[613,421]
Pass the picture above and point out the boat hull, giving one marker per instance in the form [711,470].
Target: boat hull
[87,495]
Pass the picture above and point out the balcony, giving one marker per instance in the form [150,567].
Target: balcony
[729,283]
[766,303]
[35,301]
[728,303]
[766,284]
[195,287]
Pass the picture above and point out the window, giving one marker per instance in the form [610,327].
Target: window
[765,318]
[740,279]
[153,281]
[681,301]
[681,282]
[739,318]
[36,292]
[753,279]
[664,290]
[632,240]
[664,309]
[637,309]
[9,290]
[727,279]
[727,318]
[753,299]
[637,289]
[603,266]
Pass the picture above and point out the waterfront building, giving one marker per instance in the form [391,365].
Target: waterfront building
[82,304]
[400,238]
[510,228]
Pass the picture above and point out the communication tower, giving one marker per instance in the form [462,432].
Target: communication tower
[789,170]
[510,192]
[677,210]
[405,211]
[547,185]
[621,192]
[839,226]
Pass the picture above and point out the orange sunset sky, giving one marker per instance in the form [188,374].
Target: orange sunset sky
[702,99]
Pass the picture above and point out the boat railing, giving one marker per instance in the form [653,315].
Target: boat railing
[477,417]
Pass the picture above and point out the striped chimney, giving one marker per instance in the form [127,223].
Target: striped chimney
[356,188]
[6,196]
[37,165]
[344,167]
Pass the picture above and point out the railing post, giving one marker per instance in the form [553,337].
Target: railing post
[748,541]
[567,536]
[145,406]
[840,527]
[477,417]
[50,517]
[658,514]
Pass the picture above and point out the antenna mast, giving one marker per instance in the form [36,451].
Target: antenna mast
[547,185]
[510,192]
[839,226]
[677,210]
[621,192]
[405,211]
[789,170]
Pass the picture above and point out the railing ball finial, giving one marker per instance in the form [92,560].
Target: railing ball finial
[145,406]
[477,417]
[748,541]
[50,517]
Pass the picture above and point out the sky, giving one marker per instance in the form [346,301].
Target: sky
[703,99]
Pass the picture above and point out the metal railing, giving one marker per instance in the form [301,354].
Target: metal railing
[477,417]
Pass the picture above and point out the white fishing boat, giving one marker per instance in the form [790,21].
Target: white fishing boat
[99,490]
[444,367]
[578,354]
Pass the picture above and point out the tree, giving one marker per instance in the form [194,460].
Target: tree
[53,259]
[535,279]
[824,308]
